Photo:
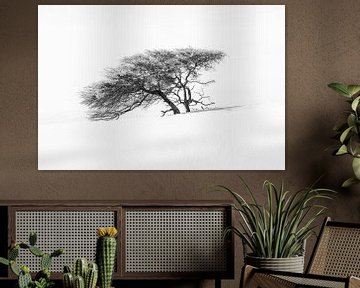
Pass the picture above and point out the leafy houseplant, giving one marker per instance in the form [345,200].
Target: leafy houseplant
[42,278]
[279,229]
[348,132]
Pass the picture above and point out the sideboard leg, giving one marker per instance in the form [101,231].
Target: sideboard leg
[217,283]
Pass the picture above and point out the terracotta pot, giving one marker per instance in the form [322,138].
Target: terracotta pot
[291,264]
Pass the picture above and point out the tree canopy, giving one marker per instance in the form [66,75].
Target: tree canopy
[171,77]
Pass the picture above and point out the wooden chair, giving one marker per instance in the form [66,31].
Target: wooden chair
[335,262]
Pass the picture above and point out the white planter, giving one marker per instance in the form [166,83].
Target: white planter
[291,264]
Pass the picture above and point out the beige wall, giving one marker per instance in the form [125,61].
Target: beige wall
[322,46]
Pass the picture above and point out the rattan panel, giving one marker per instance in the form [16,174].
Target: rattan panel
[338,253]
[312,282]
[175,241]
[75,231]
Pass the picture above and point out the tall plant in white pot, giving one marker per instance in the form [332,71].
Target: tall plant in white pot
[275,233]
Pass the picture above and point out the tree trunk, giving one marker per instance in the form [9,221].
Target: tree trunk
[188,99]
[167,101]
[187,107]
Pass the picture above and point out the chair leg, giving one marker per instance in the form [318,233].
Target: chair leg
[246,274]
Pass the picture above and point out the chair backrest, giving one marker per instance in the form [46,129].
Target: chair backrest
[337,251]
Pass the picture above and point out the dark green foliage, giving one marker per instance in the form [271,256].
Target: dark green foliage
[24,245]
[348,132]
[57,252]
[44,273]
[42,283]
[105,258]
[32,238]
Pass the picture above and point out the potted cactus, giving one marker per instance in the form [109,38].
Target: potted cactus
[42,278]
[106,254]
[84,275]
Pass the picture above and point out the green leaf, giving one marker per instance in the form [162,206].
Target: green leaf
[4,261]
[351,120]
[342,150]
[354,145]
[349,182]
[14,268]
[345,134]
[353,89]
[355,103]
[356,167]
[340,88]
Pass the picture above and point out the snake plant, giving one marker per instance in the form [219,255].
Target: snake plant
[348,133]
[279,228]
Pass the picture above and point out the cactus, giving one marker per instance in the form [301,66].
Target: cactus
[89,272]
[57,253]
[79,282]
[13,253]
[44,273]
[32,238]
[106,254]
[24,280]
[68,280]
[36,251]
[80,267]
[45,261]
[67,269]
[42,278]
[91,276]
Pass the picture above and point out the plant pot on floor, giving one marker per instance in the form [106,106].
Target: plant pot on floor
[290,264]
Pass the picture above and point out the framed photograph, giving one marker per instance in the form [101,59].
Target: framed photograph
[161,87]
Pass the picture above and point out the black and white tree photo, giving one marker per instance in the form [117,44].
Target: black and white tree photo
[161,87]
[171,77]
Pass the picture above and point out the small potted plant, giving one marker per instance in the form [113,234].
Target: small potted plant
[84,274]
[42,278]
[106,254]
[348,133]
[275,233]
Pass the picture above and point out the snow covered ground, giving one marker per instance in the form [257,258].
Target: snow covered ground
[251,137]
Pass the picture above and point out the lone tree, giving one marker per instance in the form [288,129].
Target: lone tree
[171,77]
